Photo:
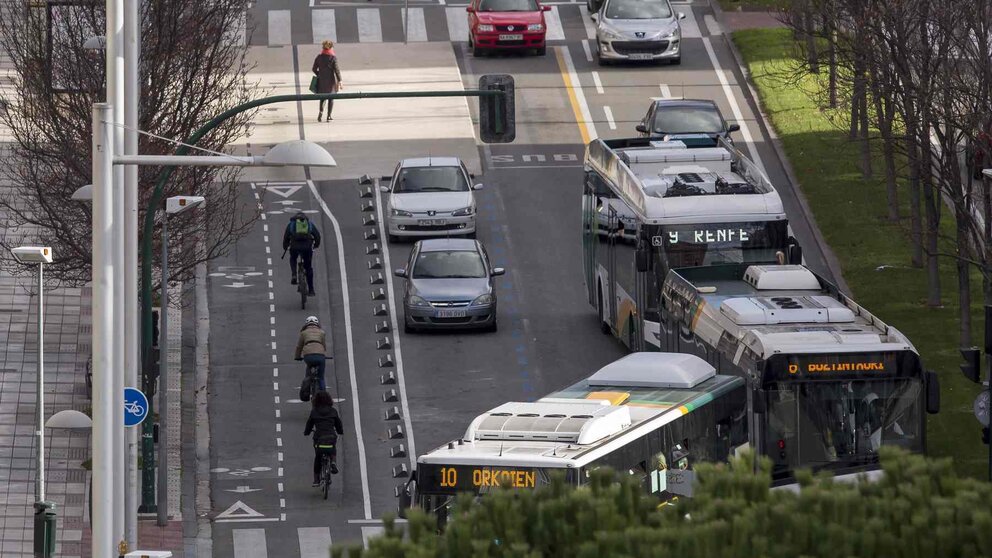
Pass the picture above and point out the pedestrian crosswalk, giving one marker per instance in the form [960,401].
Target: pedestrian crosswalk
[312,542]
[427,23]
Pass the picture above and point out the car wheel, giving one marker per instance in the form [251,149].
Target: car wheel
[676,61]
[494,327]
[542,51]
[392,238]
[407,328]
[477,51]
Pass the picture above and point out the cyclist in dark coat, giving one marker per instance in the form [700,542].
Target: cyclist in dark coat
[326,426]
[301,238]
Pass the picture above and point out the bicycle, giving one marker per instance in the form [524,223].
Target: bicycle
[311,384]
[325,469]
[302,286]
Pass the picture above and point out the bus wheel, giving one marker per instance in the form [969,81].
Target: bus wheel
[603,326]
[631,335]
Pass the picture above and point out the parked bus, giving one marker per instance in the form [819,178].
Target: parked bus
[650,206]
[828,382]
[649,415]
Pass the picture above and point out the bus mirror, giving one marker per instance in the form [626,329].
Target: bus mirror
[932,382]
[643,260]
[405,502]
[795,253]
[760,401]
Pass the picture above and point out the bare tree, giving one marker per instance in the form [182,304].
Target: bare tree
[191,69]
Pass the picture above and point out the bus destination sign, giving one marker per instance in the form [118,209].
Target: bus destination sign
[828,366]
[475,478]
[703,236]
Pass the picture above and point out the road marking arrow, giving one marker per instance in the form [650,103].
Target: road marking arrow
[244,490]
[238,285]
[287,202]
[284,191]
[240,512]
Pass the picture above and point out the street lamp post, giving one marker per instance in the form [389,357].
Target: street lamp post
[173,206]
[44,522]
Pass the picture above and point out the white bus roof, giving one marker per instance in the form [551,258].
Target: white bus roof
[672,183]
[772,309]
[574,426]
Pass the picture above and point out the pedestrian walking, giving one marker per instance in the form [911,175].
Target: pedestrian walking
[325,67]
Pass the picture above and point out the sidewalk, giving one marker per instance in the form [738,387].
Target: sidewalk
[736,21]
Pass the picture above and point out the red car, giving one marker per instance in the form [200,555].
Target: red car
[506,24]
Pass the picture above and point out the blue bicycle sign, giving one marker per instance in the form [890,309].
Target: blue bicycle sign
[135,406]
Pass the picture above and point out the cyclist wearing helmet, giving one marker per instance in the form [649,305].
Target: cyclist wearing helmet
[311,347]
[300,238]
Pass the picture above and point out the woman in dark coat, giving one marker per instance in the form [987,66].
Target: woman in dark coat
[325,66]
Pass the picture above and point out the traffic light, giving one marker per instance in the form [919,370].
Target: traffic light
[972,367]
[497,113]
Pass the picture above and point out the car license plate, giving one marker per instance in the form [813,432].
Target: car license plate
[511,37]
[641,56]
[431,222]
[450,313]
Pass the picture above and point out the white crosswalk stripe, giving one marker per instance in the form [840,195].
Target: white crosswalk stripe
[457,24]
[369,26]
[314,541]
[324,26]
[417,27]
[555,32]
[280,28]
[249,543]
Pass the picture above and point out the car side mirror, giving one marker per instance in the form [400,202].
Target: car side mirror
[795,255]
[594,16]
[384,189]
[933,392]
[365,180]
[641,128]
[681,15]
[477,187]
[496,271]
[400,273]
[545,8]
[734,128]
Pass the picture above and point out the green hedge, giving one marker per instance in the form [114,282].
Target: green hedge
[920,508]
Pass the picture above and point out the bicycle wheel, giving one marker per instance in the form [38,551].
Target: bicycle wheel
[325,475]
[303,287]
[314,383]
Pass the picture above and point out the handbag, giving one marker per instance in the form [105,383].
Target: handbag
[313,84]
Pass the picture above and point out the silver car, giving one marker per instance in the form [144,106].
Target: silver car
[449,285]
[430,196]
[638,30]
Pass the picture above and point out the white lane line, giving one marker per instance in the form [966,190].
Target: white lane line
[417,28]
[734,107]
[272,308]
[280,487]
[279,442]
[314,541]
[690,27]
[265,238]
[324,26]
[588,51]
[397,350]
[275,374]
[250,543]
[278,427]
[553,21]
[587,22]
[265,227]
[457,24]
[280,28]
[599,84]
[353,377]
[580,97]
[369,26]
[274,360]
[609,117]
[370,532]
[712,25]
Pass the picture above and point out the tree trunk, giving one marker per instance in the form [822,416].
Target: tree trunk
[813,57]
[885,113]
[915,211]
[832,62]
[931,200]
[866,170]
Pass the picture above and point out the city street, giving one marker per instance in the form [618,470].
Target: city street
[530,222]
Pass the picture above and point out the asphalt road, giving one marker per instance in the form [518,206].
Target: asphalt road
[529,219]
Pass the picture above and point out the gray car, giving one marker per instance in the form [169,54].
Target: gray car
[638,30]
[449,286]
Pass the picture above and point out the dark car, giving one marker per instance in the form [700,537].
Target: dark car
[449,284]
[686,119]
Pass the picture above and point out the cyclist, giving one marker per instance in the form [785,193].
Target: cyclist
[311,347]
[326,426]
[301,238]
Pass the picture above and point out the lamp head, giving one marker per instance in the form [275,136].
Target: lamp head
[69,419]
[298,153]
[33,254]
[83,193]
[178,204]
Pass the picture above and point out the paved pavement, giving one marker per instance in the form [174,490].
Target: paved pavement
[261,502]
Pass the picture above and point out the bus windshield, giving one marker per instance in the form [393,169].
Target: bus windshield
[840,424]
[721,243]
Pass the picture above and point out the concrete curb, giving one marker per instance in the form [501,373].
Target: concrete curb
[776,142]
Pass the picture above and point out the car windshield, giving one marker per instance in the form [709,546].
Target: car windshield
[688,120]
[430,179]
[460,264]
[508,6]
[638,9]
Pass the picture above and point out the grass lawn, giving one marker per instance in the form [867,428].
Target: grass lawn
[851,213]
[747,5]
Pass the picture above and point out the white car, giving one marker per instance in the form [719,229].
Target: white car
[430,196]
[638,30]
